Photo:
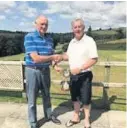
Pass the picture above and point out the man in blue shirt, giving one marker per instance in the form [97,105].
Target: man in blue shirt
[38,58]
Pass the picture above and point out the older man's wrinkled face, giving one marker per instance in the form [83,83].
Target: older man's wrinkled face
[42,25]
[78,29]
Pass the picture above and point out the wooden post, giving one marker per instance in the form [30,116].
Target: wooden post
[105,88]
[24,83]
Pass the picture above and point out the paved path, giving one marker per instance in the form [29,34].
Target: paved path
[15,116]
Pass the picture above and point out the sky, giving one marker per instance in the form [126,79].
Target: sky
[20,15]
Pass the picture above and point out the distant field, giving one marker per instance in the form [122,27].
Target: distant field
[116,41]
[112,55]
[113,31]
[106,32]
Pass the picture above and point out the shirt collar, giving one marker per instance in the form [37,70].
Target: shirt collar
[38,34]
[75,40]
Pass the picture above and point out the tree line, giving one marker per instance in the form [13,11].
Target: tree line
[12,43]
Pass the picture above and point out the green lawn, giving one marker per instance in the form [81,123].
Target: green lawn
[112,55]
[19,57]
[116,96]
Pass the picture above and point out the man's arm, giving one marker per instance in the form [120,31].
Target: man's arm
[39,58]
[62,57]
[65,56]
[85,66]
[89,63]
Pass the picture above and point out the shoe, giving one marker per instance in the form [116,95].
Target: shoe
[71,123]
[34,127]
[87,127]
[55,120]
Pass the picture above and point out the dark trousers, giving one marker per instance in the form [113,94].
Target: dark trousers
[81,87]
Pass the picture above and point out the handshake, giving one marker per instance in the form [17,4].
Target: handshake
[57,58]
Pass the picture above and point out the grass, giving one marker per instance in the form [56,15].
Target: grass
[112,55]
[116,41]
[19,57]
[116,96]
[99,74]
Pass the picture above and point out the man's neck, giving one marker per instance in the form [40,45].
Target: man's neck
[80,37]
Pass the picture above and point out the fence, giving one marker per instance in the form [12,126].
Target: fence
[12,74]
[12,77]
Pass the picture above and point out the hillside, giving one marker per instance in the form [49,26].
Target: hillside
[111,31]
[11,43]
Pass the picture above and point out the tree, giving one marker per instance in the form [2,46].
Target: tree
[100,29]
[110,28]
[3,41]
[89,32]
[120,34]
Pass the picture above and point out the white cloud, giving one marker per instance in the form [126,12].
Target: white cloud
[6,5]
[2,17]
[15,17]
[119,11]
[25,26]
[21,24]
[27,10]
[92,12]
[58,7]
[7,11]
[97,14]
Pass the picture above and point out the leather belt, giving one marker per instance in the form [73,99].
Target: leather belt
[37,68]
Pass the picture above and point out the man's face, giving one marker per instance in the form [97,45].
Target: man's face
[42,25]
[78,29]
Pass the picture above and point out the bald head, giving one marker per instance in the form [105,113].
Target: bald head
[41,24]
[41,18]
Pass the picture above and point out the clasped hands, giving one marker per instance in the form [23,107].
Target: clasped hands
[58,58]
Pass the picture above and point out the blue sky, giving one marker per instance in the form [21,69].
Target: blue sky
[20,15]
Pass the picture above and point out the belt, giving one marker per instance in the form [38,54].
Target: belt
[81,74]
[37,68]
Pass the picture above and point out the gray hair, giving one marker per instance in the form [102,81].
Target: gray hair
[78,19]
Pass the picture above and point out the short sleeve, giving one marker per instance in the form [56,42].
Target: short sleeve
[93,49]
[29,44]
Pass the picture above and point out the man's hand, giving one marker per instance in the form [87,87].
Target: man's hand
[57,58]
[75,71]
[56,66]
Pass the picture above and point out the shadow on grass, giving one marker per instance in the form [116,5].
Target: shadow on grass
[10,93]
[99,106]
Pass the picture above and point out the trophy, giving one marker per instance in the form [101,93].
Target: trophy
[65,82]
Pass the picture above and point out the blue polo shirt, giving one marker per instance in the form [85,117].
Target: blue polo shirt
[43,45]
